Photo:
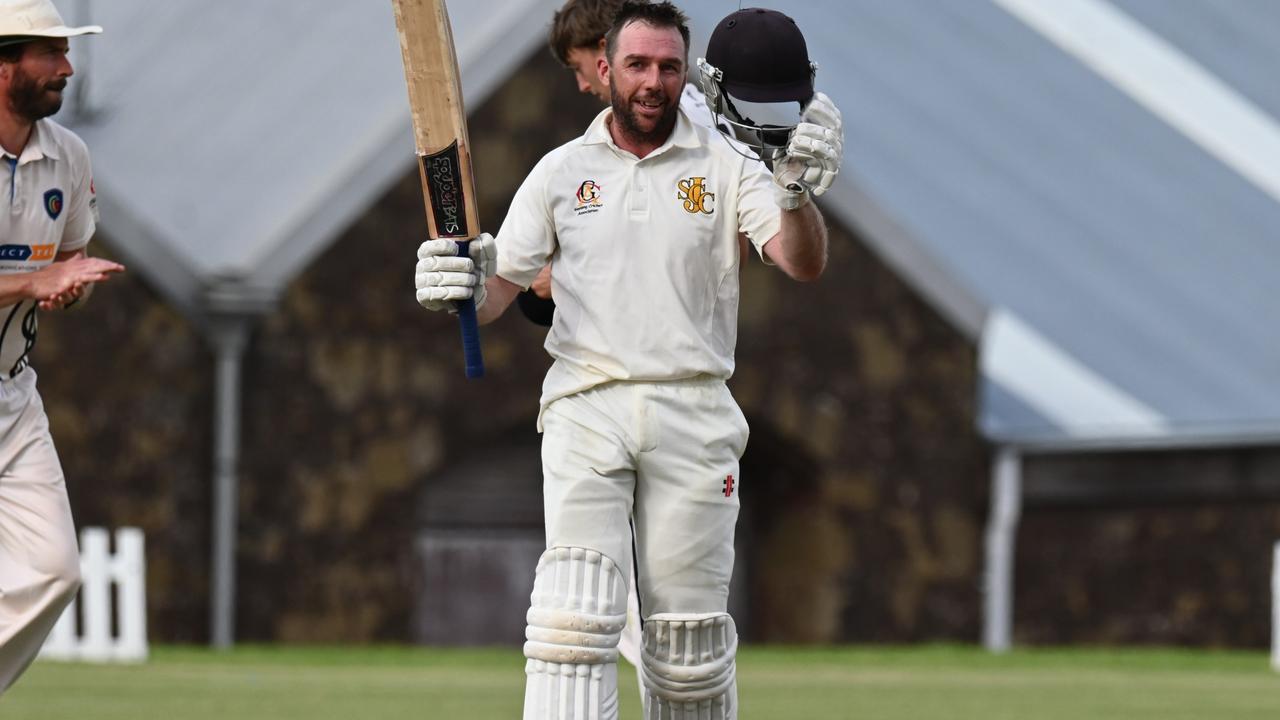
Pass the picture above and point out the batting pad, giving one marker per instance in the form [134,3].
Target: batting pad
[689,667]
[578,610]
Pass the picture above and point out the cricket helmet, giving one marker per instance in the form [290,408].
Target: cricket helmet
[759,56]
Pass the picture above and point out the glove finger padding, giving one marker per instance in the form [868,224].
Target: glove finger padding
[441,277]
[821,111]
[436,247]
[443,294]
[485,254]
[444,263]
[813,155]
[824,131]
[439,290]
[816,146]
[444,279]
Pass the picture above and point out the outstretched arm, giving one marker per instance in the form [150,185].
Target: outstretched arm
[58,284]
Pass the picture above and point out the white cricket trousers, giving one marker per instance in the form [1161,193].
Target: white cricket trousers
[669,452]
[39,563]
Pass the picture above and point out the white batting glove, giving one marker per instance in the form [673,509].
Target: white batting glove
[812,158]
[441,277]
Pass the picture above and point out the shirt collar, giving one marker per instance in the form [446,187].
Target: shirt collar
[39,146]
[683,135]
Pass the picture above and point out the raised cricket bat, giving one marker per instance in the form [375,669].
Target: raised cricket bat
[440,133]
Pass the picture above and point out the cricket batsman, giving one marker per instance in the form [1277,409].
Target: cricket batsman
[577,41]
[640,220]
[49,218]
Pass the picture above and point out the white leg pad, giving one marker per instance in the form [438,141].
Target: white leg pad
[578,610]
[689,670]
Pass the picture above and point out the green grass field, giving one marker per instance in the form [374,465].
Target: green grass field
[927,683]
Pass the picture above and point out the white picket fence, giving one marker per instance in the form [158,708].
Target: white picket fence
[85,630]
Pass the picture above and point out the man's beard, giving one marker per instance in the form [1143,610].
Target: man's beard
[630,124]
[30,99]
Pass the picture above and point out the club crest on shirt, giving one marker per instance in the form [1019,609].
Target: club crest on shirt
[695,196]
[589,197]
[53,203]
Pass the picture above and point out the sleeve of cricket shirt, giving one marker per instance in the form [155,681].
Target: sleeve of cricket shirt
[82,203]
[758,215]
[527,238]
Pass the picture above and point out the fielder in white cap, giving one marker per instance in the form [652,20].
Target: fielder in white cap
[47,222]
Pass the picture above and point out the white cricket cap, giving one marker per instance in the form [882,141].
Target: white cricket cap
[36,18]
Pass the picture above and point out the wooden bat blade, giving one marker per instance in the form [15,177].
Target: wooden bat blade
[439,118]
[431,74]
[440,136]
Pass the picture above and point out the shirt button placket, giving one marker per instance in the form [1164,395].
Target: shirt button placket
[639,193]
[14,204]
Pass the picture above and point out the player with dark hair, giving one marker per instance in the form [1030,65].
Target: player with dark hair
[49,220]
[577,40]
[642,215]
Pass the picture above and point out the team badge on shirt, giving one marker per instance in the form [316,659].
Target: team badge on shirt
[695,196]
[53,203]
[589,197]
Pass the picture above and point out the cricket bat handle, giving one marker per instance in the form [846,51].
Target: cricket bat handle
[473,358]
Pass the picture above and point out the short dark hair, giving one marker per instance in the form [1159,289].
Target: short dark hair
[580,24]
[659,15]
[11,48]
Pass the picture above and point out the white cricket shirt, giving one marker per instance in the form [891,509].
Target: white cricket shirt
[49,208]
[644,254]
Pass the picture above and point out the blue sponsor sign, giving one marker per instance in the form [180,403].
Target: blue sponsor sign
[15,252]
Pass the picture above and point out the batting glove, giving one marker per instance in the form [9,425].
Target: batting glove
[812,158]
[442,278]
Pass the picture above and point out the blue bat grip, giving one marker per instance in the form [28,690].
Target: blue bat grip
[470,328]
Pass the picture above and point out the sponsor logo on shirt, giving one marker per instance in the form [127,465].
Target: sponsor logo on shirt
[589,197]
[695,196]
[53,203]
[24,253]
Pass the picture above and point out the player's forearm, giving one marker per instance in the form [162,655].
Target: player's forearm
[58,284]
[800,247]
[16,287]
[499,294]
